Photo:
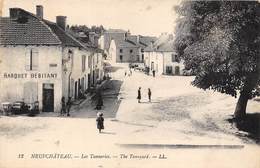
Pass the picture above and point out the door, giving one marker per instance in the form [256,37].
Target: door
[48,97]
[168,69]
[177,70]
[79,88]
[89,82]
[76,90]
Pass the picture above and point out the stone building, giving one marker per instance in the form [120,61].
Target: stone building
[161,57]
[40,61]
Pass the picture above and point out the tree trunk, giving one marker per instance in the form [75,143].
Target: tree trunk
[240,111]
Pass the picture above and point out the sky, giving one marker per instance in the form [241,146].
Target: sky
[144,17]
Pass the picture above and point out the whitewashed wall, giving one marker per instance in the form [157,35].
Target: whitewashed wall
[13,61]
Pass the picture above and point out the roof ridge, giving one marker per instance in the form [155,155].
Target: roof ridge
[70,36]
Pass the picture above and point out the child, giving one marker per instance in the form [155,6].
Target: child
[100,122]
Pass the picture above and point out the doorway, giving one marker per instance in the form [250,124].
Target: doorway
[76,90]
[48,97]
[177,70]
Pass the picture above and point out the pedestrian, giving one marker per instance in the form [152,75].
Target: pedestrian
[153,73]
[148,71]
[63,106]
[130,72]
[99,99]
[68,106]
[149,94]
[100,122]
[125,73]
[139,95]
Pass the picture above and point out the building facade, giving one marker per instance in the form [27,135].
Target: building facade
[40,62]
[161,57]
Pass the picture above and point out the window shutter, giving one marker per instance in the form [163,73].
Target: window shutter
[27,60]
[35,59]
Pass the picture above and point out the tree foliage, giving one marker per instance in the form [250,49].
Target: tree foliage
[220,42]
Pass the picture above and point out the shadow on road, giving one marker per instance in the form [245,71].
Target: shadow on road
[111,103]
[250,124]
[109,133]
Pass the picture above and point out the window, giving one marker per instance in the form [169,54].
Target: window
[83,63]
[121,50]
[32,60]
[90,61]
[131,51]
[173,57]
[121,58]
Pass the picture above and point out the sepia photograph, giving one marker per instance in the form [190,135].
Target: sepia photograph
[129,84]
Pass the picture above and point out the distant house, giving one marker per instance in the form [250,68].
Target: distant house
[105,39]
[123,50]
[161,57]
[122,47]
[40,61]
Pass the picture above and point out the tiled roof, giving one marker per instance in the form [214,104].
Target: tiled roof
[30,30]
[166,47]
[161,46]
[125,43]
[134,40]
[147,40]
[149,48]
[65,38]
[27,32]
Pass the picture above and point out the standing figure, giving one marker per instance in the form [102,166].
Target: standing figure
[153,73]
[149,94]
[100,122]
[139,95]
[68,106]
[63,106]
[99,99]
[130,72]
[125,73]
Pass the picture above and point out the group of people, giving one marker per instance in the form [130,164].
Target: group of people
[65,106]
[139,95]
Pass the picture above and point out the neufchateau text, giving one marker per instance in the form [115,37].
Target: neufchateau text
[91,156]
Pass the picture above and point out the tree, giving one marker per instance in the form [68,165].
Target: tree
[220,42]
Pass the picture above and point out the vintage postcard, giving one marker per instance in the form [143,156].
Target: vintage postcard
[129,84]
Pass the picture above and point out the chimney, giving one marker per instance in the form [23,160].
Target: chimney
[61,22]
[39,11]
[138,39]
[14,13]
[125,36]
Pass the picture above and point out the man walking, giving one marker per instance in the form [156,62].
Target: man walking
[139,95]
[149,94]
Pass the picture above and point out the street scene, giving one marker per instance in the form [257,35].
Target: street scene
[94,96]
